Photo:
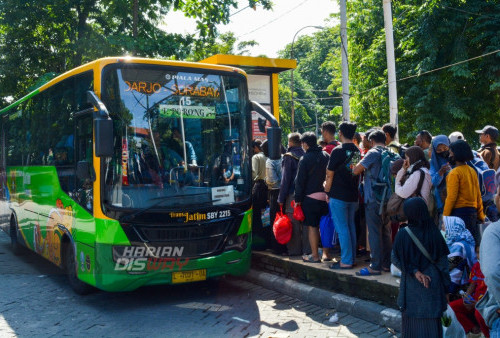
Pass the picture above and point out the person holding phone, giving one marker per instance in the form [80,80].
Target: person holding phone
[415,168]
[439,170]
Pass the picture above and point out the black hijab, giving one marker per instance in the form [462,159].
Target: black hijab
[424,228]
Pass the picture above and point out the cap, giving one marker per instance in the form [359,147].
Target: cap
[490,130]
[455,136]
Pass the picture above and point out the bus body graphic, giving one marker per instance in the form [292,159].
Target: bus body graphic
[150,211]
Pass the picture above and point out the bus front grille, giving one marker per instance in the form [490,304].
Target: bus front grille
[194,240]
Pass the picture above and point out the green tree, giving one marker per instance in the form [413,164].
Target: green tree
[224,44]
[428,35]
[312,79]
[42,36]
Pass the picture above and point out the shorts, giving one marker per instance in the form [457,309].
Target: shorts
[313,211]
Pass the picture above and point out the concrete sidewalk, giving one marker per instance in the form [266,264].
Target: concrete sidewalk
[366,310]
[381,289]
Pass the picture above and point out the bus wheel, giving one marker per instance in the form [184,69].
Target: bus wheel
[15,246]
[70,267]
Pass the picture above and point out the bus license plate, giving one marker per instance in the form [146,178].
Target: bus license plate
[189,276]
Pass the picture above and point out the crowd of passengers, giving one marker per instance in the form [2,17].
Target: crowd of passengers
[438,216]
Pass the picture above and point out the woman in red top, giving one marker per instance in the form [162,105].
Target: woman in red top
[465,308]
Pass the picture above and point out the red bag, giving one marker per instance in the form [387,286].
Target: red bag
[298,214]
[282,228]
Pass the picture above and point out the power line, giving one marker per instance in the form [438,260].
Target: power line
[312,99]
[318,90]
[429,71]
[320,105]
[241,10]
[472,13]
[275,19]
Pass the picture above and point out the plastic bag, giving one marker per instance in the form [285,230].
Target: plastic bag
[451,326]
[282,228]
[326,231]
[395,271]
[266,217]
[298,214]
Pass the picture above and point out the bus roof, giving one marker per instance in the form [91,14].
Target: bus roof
[99,64]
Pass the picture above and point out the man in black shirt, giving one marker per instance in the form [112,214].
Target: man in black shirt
[342,188]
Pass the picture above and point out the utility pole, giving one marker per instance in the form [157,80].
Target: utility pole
[345,64]
[391,65]
[317,126]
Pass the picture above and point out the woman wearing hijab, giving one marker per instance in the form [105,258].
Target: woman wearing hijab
[439,169]
[463,197]
[415,168]
[424,284]
[462,254]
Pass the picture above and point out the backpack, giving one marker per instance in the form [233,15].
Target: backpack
[383,185]
[277,167]
[485,175]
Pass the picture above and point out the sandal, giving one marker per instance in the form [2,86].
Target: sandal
[310,259]
[366,272]
[326,259]
[337,266]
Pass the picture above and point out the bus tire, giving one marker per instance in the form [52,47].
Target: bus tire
[16,247]
[70,268]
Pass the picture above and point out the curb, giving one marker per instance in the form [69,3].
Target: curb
[363,309]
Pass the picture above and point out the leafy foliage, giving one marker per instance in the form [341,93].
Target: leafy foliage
[312,78]
[428,35]
[44,36]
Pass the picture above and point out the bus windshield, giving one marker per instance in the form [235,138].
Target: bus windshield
[180,138]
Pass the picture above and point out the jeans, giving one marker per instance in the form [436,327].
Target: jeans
[343,219]
[379,237]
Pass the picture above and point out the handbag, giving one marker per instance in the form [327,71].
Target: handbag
[451,326]
[298,214]
[394,206]
[327,231]
[282,227]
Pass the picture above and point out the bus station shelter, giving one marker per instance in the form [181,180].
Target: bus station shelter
[262,81]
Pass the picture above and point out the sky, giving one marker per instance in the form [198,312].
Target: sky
[273,29]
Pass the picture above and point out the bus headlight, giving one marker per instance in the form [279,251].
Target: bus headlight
[238,243]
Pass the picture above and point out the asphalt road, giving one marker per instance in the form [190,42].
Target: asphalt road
[35,300]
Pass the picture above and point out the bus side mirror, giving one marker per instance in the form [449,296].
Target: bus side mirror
[274,142]
[273,132]
[103,127]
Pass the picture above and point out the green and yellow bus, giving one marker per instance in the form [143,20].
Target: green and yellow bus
[128,172]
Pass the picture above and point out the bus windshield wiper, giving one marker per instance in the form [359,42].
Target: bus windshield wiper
[160,200]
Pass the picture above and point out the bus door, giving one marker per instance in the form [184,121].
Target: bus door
[4,193]
[83,155]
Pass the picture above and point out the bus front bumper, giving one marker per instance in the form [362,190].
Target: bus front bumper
[128,275]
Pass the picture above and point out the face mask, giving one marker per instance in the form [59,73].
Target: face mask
[444,154]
